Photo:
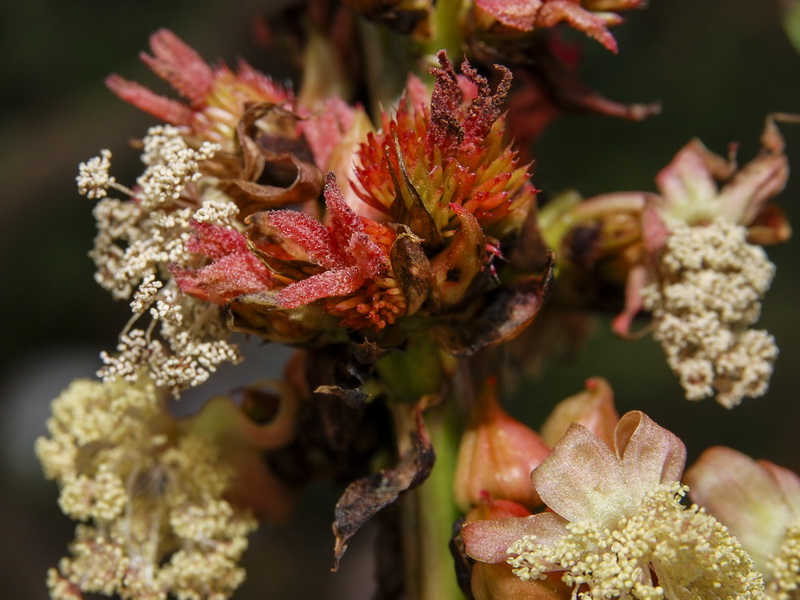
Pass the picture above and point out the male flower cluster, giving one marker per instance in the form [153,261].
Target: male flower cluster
[149,496]
[617,526]
[711,281]
[759,502]
[689,256]
[138,240]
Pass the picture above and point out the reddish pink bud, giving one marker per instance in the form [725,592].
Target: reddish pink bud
[498,582]
[496,456]
[593,408]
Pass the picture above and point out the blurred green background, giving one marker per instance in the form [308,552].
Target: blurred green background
[717,66]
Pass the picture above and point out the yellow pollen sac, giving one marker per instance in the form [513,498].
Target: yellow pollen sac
[660,550]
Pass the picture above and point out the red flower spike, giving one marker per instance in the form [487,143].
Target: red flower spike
[453,123]
[233,270]
[448,154]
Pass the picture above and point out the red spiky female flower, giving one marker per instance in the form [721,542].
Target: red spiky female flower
[428,159]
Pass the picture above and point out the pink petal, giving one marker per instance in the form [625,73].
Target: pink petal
[216,241]
[637,278]
[176,62]
[165,109]
[417,94]
[650,454]
[555,11]
[686,179]
[344,223]
[743,496]
[654,230]
[234,270]
[760,180]
[309,233]
[488,541]
[581,478]
[347,230]
[325,130]
[788,482]
[336,282]
[518,14]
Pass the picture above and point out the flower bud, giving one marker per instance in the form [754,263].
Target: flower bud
[592,408]
[496,456]
[498,582]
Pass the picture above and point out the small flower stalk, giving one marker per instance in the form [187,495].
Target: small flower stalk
[379,211]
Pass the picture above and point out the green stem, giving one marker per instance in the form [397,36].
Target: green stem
[447,27]
[428,514]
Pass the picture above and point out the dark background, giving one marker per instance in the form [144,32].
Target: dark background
[718,67]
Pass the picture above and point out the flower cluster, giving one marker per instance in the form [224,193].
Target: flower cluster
[445,191]
[759,502]
[395,251]
[149,496]
[711,282]
[689,256]
[617,526]
[138,241]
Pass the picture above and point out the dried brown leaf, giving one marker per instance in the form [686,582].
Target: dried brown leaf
[367,496]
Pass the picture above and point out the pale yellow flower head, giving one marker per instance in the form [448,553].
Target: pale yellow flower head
[149,495]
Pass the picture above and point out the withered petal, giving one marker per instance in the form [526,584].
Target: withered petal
[412,269]
[249,190]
